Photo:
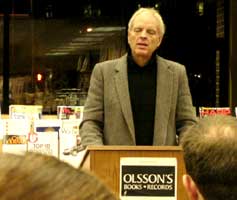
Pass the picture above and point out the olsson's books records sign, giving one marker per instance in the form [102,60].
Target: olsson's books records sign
[148,178]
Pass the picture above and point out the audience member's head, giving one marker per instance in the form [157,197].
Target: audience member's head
[39,177]
[210,154]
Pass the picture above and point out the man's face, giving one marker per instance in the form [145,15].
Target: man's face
[144,36]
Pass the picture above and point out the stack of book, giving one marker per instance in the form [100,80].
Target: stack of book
[25,130]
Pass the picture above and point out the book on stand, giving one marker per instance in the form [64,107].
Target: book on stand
[30,112]
[206,111]
[70,141]
[43,137]
[14,135]
[69,138]
[70,112]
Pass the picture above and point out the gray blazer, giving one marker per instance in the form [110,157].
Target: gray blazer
[108,115]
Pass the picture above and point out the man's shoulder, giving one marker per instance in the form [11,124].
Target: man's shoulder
[112,62]
[170,64]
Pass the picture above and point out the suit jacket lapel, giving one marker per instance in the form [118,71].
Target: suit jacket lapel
[163,101]
[121,83]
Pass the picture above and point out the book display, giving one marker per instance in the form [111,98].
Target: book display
[26,129]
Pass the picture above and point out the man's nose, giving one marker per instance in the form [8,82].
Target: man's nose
[144,34]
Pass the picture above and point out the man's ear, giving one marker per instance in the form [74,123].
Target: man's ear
[159,42]
[190,187]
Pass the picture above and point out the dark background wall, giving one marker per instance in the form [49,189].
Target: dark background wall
[190,36]
[232,51]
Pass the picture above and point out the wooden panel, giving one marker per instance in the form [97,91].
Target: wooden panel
[105,162]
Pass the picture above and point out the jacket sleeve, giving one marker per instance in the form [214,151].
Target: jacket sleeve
[185,111]
[91,127]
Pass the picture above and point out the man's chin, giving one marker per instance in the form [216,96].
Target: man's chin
[142,52]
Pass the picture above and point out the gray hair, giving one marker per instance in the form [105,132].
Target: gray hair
[155,13]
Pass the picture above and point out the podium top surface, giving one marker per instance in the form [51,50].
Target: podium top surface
[136,149]
[132,148]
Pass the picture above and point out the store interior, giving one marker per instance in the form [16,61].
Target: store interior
[49,47]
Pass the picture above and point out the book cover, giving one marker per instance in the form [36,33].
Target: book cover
[206,111]
[30,112]
[43,137]
[14,137]
[70,112]
[69,141]
[1,130]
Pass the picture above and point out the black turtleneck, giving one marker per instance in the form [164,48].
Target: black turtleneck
[142,88]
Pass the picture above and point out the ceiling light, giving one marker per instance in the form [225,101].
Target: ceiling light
[89,29]
[57,54]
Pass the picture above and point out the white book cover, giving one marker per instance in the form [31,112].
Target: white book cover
[1,129]
[69,141]
[43,137]
[70,112]
[15,133]
[30,112]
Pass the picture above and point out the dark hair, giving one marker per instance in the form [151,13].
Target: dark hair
[210,154]
[40,177]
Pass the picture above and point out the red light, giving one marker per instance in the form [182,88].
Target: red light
[39,77]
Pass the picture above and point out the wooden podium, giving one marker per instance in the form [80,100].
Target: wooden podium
[104,162]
